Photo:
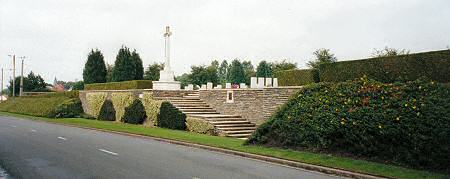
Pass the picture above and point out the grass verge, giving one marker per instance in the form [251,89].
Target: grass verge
[349,164]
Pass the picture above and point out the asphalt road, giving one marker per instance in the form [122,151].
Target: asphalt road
[30,149]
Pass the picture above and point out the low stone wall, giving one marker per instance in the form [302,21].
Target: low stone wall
[136,92]
[256,105]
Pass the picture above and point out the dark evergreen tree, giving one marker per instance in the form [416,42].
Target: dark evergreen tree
[264,69]
[237,73]
[94,69]
[139,67]
[152,72]
[124,66]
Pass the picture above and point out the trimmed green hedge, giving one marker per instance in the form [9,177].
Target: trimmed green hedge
[135,113]
[55,105]
[135,84]
[297,77]
[200,126]
[402,123]
[431,65]
[170,117]
[95,102]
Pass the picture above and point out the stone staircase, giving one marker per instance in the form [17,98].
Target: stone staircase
[228,125]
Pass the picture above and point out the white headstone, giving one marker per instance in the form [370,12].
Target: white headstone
[218,87]
[275,82]
[268,82]
[228,85]
[203,87]
[253,82]
[190,87]
[242,85]
[209,85]
[260,82]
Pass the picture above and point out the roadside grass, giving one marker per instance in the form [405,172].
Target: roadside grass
[344,163]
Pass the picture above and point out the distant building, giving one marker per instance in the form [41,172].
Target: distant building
[58,87]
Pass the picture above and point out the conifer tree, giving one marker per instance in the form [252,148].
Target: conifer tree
[124,66]
[237,73]
[264,69]
[139,75]
[94,69]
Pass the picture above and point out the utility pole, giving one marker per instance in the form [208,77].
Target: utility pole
[21,78]
[14,76]
[1,92]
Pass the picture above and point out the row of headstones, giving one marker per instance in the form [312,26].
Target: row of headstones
[254,83]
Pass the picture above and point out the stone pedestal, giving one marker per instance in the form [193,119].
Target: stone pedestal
[166,81]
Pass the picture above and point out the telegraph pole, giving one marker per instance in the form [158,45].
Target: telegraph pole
[14,76]
[21,78]
[1,92]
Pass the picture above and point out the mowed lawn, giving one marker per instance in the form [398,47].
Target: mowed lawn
[237,145]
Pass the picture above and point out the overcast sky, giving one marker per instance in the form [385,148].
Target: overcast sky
[57,35]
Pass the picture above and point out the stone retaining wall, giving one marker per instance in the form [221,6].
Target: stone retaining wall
[256,105]
[136,92]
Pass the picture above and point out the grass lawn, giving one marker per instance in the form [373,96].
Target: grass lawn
[237,145]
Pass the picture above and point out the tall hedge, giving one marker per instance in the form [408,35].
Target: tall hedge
[297,77]
[95,102]
[432,65]
[402,123]
[135,84]
[152,108]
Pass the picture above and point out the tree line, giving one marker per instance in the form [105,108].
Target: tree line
[128,66]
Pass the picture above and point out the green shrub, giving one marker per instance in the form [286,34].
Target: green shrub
[135,113]
[95,102]
[68,108]
[432,65]
[135,84]
[107,112]
[402,123]
[200,126]
[170,117]
[120,102]
[152,109]
[297,77]
[43,106]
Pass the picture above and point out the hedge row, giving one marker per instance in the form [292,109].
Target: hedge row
[135,84]
[431,65]
[126,107]
[402,123]
[57,105]
[297,77]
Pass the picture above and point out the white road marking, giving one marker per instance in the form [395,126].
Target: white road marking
[109,152]
[62,138]
[32,130]
[13,126]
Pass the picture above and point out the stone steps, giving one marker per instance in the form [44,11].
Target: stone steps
[228,125]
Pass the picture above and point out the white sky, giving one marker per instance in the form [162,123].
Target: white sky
[57,35]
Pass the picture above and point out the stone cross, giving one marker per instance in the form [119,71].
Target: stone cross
[167,48]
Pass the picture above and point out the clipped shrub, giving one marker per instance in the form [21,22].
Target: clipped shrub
[135,113]
[200,126]
[403,123]
[432,65]
[297,77]
[120,102]
[135,84]
[68,108]
[95,102]
[54,105]
[152,108]
[107,112]
[170,117]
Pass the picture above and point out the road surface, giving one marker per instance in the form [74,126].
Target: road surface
[30,149]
